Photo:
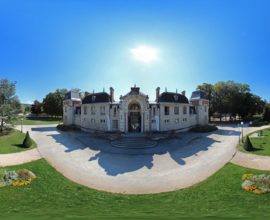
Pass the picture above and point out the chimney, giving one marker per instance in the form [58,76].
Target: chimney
[184,93]
[112,94]
[157,93]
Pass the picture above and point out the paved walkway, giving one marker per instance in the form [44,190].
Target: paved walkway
[250,160]
[172,164]
[19,158]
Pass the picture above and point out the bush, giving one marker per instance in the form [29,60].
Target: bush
[204,128]
[259,123]
[27,142]
[247,144]
[63,127]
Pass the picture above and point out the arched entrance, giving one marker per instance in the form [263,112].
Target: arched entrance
[134,118]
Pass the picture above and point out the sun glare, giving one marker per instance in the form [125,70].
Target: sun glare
[144,53]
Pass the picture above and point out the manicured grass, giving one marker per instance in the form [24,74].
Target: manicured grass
[261,145]
[38,121]
[52,196]
[12,142]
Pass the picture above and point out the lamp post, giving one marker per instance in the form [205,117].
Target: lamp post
[242,132]
[21,124]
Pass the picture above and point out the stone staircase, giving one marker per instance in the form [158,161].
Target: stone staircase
[133,143]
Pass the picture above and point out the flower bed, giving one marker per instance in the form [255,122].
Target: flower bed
[257,184]
[21,177]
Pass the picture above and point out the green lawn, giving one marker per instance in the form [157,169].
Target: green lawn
[38,121]
[261,145]
[52,196]
[12,142]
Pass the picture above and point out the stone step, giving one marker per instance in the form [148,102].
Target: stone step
[133,143]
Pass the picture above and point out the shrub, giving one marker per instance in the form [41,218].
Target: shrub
[16,178]
[204,128]
[27,142]
[247,144]
[25,174]
[63,127]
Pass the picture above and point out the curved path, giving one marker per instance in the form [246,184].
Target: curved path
[172,164]
[250,160]
[19,158]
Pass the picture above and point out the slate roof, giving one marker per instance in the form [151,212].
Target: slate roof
[198,95]
[172,97]
[96,98]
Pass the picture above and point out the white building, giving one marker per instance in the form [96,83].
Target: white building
[134,112]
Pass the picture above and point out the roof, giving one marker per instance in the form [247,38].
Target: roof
[72,95]
[96,98]
[134,91]
[172,97]
[198,95]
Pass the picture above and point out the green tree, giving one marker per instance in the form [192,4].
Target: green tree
[53,102]
[266,113]
[36,107]
[232,98]
[9,103]
[27,142]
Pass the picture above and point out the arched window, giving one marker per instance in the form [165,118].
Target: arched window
[134,106]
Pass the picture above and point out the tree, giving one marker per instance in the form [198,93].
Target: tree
[9,103]
[232,98]
[36,107]
[247,144]
[53,102]
[266,113]
[27,142]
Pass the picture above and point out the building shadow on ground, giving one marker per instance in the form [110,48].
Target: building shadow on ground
[116,161]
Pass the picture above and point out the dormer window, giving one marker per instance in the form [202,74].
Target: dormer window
[175,97]
[93,98]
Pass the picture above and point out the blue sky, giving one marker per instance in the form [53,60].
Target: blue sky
[45,45]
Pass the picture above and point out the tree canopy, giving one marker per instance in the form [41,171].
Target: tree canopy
[232,98]
[9,103]
[53,102]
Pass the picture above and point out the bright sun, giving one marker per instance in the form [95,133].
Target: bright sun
[144,53]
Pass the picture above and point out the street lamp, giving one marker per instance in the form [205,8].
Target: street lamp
[242,126]
[21,124]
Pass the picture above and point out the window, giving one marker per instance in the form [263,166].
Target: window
[154,111]
[102,121]
[185,110]
[184,119]
[167,121]
[65,109]
[177,121]
[93,98]
[102,110]
[176,110]
[114,111]
[205,108]
[153,121]
[166,110]
[85,110]
[115,124]
[93,110]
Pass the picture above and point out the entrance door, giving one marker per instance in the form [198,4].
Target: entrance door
[134,118]
[134,124]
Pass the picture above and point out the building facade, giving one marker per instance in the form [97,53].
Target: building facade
[134,112]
